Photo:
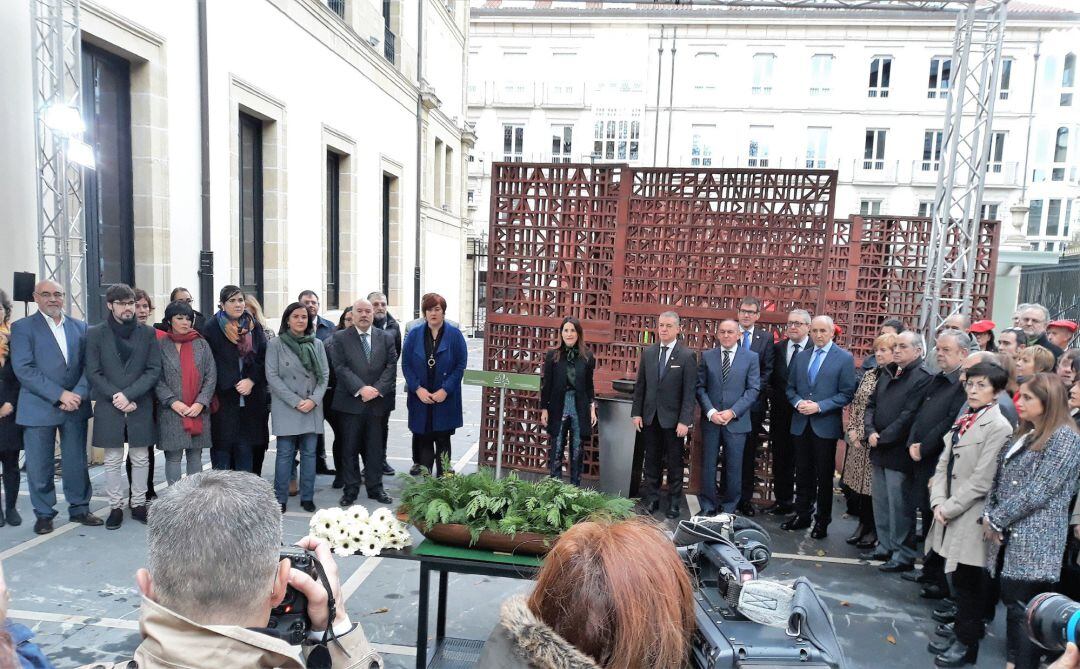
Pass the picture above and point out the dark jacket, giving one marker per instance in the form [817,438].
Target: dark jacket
[670,400]
[232,423]
[761,342]
[522,641]
[1044,341]
[450,360]
[390,324]
[778,379]
[553,392]
[10,438]
[891,411]
[935,416]
[354,371]
[324,329]
[108,374]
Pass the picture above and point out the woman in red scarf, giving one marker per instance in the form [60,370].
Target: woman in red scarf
[184,391]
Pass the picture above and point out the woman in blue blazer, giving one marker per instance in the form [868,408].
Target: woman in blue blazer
[433,360]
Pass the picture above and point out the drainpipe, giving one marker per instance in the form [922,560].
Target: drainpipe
[419,149]
[671,94]
[659,76]
[1031,114]
[206,254]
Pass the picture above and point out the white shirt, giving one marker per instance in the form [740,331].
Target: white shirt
[731,359]
[58,333]
[1017,445]
[368,334]
[364,332]
[791,347]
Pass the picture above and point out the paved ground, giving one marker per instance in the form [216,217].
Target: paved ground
[75,587]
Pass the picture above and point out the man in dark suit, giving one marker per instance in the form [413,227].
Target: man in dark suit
[384,321]
[663,408]
[729,382]
[759,341]
[48,358]
[783,456]
[366,365]
[821,382]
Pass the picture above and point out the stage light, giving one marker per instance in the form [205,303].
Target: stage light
[63,120]
[81,153]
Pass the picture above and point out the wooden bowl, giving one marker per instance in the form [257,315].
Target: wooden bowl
[454,534]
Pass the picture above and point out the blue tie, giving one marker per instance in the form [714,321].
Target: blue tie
[746,339]
[815,364]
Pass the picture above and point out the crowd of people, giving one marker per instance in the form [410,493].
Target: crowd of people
[223,382]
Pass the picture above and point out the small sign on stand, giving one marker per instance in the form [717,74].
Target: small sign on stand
[503,381]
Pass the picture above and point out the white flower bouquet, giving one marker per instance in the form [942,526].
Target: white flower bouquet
[354,530]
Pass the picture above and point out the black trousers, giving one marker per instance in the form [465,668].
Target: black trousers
[362,439]
[934,567]
[970,587]
[1015,595]
[430,448]
[920,501]
[815,464]
[750,451]
[258,454]
[862,507]
[149,473]
[783,453]
[9,460]
[663,450]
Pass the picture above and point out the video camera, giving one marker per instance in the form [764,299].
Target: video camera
[743,621]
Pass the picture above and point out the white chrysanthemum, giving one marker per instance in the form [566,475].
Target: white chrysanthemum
[323,524]
[371,547]
[362,531]
[394,543]
[357,513]
[345,547]
[381,516]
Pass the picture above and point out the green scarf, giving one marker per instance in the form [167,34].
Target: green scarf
[304,348]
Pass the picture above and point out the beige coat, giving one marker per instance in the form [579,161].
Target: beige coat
[974,463]
[171,641]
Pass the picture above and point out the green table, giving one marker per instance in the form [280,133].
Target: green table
[450,653]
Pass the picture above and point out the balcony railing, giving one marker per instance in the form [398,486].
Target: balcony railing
[389,44]
[337,7]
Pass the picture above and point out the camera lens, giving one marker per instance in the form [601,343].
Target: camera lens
[1052,620]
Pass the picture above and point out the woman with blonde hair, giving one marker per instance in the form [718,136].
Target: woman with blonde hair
[588,609]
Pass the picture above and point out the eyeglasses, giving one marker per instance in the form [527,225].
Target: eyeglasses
[124,303]
[48,296]
[976,385]
[748,312]
[797,324]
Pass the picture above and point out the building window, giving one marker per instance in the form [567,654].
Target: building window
[926,208]
[989,212]
[513,141]
[471,196]
[931,151]
[997,152]
[706,67]
[1035,210]
[763,73]
[701,145]
[389,8]
[880,71]
[821,74]
[561,143]
[251,206]
[758,153]
[448,179]
[869,207]
[1068,80]
[874,150]
[337,7]
[940,74]
[1068,219]
[1053,217]
[333,229]
[616,134]
[1006,78]
[817,147]
[1061,153]
[437,170]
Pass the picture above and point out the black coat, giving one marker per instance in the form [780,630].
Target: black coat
[354,371]
[137,378]
[1044,341]
[935,417]
[553,392]
[778,379]
[10,437]
[761,342]
[891,411]
[232,423]
[390,325]
[671,400]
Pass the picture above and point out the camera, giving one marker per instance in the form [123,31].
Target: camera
[1052,620]
[290,618]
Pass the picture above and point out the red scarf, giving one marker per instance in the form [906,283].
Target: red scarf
[963,423]
[190,379]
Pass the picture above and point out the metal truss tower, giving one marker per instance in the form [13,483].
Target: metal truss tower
[57,63]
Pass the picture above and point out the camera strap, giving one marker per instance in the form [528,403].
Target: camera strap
[320,655]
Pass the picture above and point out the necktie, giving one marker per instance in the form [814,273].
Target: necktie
[746,339]
[725,367]
[663,361]
[794,352]
[366,345]
[815,364]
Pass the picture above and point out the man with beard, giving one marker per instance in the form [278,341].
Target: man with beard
[384,321]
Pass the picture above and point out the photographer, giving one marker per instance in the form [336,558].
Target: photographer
[213,544]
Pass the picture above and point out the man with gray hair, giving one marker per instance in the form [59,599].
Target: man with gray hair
[215,573]
[1033,321]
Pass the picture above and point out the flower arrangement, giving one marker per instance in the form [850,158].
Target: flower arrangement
[354,530]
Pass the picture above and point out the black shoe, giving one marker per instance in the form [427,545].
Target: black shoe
[116,519]
[139,514]
[673,511]
[381,497]
[796,523]
[338,482]
[321,469]
[283,508]
[650,507]
[43,526]
[308,506]
[945,614]
[781,509]
[747,509]
[945,630]
[13,517]
[387,470]
[939,646]
[414,470]
[88,519]
[857,536]
[150,494]
[876,556]
[919,577]
[958,655]
[868,542]
[347,501]
[933,591]
[820,531]
[894,567]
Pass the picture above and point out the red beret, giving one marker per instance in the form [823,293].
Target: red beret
[981,326]
[837,330]
[1068,325]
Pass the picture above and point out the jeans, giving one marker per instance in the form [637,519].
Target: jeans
[570,422]
[287,446]
[235,456]
[172,463]
[1015,595]
[115,479]
[892,492]
[40,445]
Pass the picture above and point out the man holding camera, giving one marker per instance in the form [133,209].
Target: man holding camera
[215,574]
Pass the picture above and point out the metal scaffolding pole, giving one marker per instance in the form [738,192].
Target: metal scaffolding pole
[57,64]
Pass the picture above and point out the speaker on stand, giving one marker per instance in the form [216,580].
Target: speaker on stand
[22,286]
